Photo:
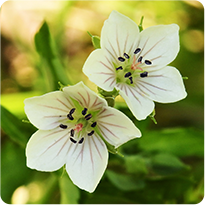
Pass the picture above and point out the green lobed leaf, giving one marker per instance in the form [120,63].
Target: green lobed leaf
[70,194]
[46,48]
[125,182]
[167,164]
[15,128]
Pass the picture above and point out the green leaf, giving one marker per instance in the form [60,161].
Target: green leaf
[167,164]
[136,165]
[95,40]
[125,182]
[15,128]
[46,48]
[178,141]
[69,192]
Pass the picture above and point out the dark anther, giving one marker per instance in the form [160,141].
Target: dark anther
[119,68]
[128,75]
[72,140]
[84,111]
[72,111]
[137,50]
[144,74]
[63,126]
[126,55]
[81,141]
[94,124]
[91,133]
[70,117]
[140,59]
[72,133]
[87,117]
[148,62]
[121,59]
[131,81]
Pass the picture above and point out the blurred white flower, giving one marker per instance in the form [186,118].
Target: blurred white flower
[135,63]
[72,124]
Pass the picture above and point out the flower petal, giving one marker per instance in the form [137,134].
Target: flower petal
[159,44]
[86,97]
[116,127]
[164,85]
[87,162]
[138,103]
[47,149]
[46,111]
[100,70]
[119,35]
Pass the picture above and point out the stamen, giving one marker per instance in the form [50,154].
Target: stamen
[81,141]
[126,55]
[121,59]
[144,74]
[84,111]
[72,132]
[140,59]
[128,75]
[137,50]
[131,81]
[87,117]
[119,68]
[72,111]
[63,126]
[72,140]
[91,133]
[148,62]
[70,117]
[94,124]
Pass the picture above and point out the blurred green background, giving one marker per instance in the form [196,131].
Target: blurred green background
[165,165]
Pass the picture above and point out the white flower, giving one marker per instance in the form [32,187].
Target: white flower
[71,125]
[135,63]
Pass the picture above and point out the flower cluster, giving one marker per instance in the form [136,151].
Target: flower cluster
[76,125]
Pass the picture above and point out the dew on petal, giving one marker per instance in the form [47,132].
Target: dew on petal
[121,59]
[63,126]
[137,50]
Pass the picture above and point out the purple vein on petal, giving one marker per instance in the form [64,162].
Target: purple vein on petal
[96,146]
[114,51]
[110,124]
[91,154]
[55,108]
[106,66]
[53,133]
[113,70]
[62,147]
[117,40]
[138,86]
[95,104]
[134,95]
[154,86]
[109,131]
[88,103]
[54,144]
[62,103]
[125,45]
[85,102]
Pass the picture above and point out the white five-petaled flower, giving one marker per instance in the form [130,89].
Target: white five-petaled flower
[135,63]
[71,126]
